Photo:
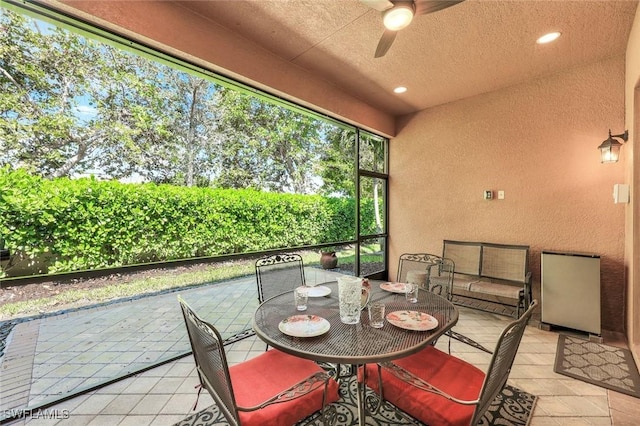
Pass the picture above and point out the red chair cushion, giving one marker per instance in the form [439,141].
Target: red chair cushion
[258,379]
[448,373]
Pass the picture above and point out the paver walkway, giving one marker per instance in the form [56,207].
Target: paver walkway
[48,358]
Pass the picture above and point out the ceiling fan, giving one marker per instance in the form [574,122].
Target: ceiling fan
[397,14]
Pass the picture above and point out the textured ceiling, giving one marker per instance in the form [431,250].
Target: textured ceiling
[471,48]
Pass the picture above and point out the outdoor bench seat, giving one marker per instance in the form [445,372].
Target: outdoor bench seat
[496,273]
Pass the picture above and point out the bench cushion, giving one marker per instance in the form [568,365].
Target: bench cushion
[496,289]
[474,285]
[463,282]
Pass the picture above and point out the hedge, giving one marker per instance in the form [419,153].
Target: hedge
[89,224]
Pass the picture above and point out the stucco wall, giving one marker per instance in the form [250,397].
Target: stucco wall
[632,240]
[537,142]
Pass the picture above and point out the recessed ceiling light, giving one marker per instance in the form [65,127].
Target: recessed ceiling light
[400,89]
[548,38]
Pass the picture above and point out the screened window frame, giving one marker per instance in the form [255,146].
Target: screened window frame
[94,31]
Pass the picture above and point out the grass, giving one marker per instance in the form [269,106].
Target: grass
[170,280]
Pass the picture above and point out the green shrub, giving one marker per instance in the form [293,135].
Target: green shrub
[90,224]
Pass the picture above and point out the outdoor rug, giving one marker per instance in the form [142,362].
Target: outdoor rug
[511,407]
[602,365]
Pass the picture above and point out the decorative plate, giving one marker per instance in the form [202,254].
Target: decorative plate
[304,326]
[412,320]
[319,291]
[394,287]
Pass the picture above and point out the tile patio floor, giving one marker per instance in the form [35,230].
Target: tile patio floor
[47,358]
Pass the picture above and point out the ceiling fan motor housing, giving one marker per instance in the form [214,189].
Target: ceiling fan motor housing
[399,16]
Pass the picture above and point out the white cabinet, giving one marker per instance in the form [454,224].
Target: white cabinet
[571,290]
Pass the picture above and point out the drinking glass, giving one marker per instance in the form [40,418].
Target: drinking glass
[301,295]
[411,292]
[376,314]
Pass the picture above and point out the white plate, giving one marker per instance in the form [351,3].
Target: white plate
[394,287]
[412,320]
[319,291]
[304,326]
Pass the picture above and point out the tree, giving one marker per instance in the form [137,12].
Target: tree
[69,104]
[265,145]
[337,167]
[192,121]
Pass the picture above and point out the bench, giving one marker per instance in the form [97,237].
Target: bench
[497,273]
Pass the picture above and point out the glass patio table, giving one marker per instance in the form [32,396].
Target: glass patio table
[353,344]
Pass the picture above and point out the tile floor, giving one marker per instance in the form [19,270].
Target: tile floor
[165,395]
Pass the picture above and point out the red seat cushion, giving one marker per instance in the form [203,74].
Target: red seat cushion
[448,373]
[258,379]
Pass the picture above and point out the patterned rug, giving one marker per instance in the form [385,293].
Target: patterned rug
[511,407]
[602,365]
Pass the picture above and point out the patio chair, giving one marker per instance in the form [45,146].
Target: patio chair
[441,278]
[273,388]
[440,389]
[426,263]
[438,274]
[277,274]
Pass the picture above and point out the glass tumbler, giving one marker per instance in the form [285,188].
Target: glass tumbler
[301,295]
[376,314]
[411,292]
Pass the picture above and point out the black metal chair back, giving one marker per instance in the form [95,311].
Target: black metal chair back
[299,385]
[441,278]
[277,274]
[501,363]
[439,271]
[419,262]
[211,362]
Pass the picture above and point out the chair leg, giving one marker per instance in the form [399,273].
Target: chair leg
[381,393]
[328,414]
[195,404]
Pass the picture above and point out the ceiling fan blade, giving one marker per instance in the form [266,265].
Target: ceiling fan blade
[380,5]
[385,43]
[429,6]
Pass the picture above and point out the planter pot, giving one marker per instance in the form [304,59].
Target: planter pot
[328,260]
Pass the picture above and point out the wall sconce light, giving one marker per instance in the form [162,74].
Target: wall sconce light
[610,149]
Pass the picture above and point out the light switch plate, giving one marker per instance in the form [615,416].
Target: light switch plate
[500,195]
